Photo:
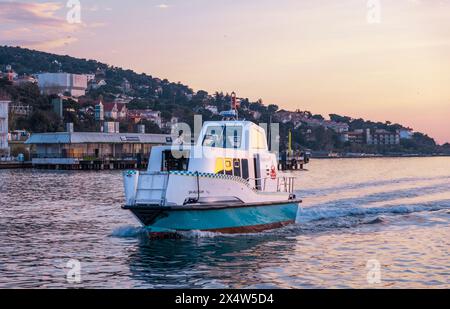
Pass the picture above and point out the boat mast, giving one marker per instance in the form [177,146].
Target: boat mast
[232,114]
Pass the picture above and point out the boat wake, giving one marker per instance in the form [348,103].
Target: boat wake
[128,232]
[200,234]
[370,184]
[311,214]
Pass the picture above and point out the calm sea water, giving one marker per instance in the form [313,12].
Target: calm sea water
[391,213]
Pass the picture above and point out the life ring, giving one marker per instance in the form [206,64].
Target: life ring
[273,172]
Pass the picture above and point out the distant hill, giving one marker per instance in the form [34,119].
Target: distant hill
[26,61]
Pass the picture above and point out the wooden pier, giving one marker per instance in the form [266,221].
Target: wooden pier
[94,165]
[293,161]
[15,165]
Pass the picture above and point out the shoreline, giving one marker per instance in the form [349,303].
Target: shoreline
[29,165]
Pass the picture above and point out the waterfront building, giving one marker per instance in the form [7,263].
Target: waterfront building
[374,137]
[76,150]
[23,80]
[115,111]
[18,136]
[111,127]
[99,111]
[146,114]
[4,109]
[61,83]
[20,109]
[356,137]
[382,137]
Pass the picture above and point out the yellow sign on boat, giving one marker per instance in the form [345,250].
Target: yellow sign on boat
[224,166]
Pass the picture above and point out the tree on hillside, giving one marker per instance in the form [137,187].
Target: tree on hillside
[318,117]
[44,121]
[272,109]
[338,118]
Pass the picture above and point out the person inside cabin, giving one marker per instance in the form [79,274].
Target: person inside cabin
[211,139]
[180,138]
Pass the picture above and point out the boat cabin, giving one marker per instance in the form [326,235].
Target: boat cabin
[233,148]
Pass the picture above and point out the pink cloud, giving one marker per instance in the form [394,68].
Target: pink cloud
[36,14]
[37,25]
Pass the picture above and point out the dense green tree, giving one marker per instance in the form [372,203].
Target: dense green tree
[338,118]
[44,121]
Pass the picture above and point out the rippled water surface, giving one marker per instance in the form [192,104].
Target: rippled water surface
[392,211]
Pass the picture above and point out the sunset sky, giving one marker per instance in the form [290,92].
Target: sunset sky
[325,56]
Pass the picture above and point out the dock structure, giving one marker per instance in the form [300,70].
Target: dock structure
[4,103]
[93,151]
[293,160]
[14,165]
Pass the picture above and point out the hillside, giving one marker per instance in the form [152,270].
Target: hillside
[173,100]
[25,61]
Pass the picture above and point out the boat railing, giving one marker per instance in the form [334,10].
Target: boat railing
[284,184]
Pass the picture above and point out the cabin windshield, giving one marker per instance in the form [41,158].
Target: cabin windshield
[223,137]
[258,140]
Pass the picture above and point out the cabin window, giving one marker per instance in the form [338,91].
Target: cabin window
[229,167]
[237,167]
[172,163]
[258,140]
[223,137]
[258,179]
[245,172]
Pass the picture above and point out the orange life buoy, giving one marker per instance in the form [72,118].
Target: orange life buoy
[273,172]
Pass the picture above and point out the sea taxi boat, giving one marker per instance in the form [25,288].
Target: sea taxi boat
[227,182]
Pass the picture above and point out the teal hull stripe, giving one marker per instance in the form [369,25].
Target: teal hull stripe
[224,218]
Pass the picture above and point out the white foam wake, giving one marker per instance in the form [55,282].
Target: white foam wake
[128,231]
[321,213]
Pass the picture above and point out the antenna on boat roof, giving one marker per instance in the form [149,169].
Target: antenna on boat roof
[233,113]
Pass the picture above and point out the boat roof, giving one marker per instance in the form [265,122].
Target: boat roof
[243,123]
[98,138]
